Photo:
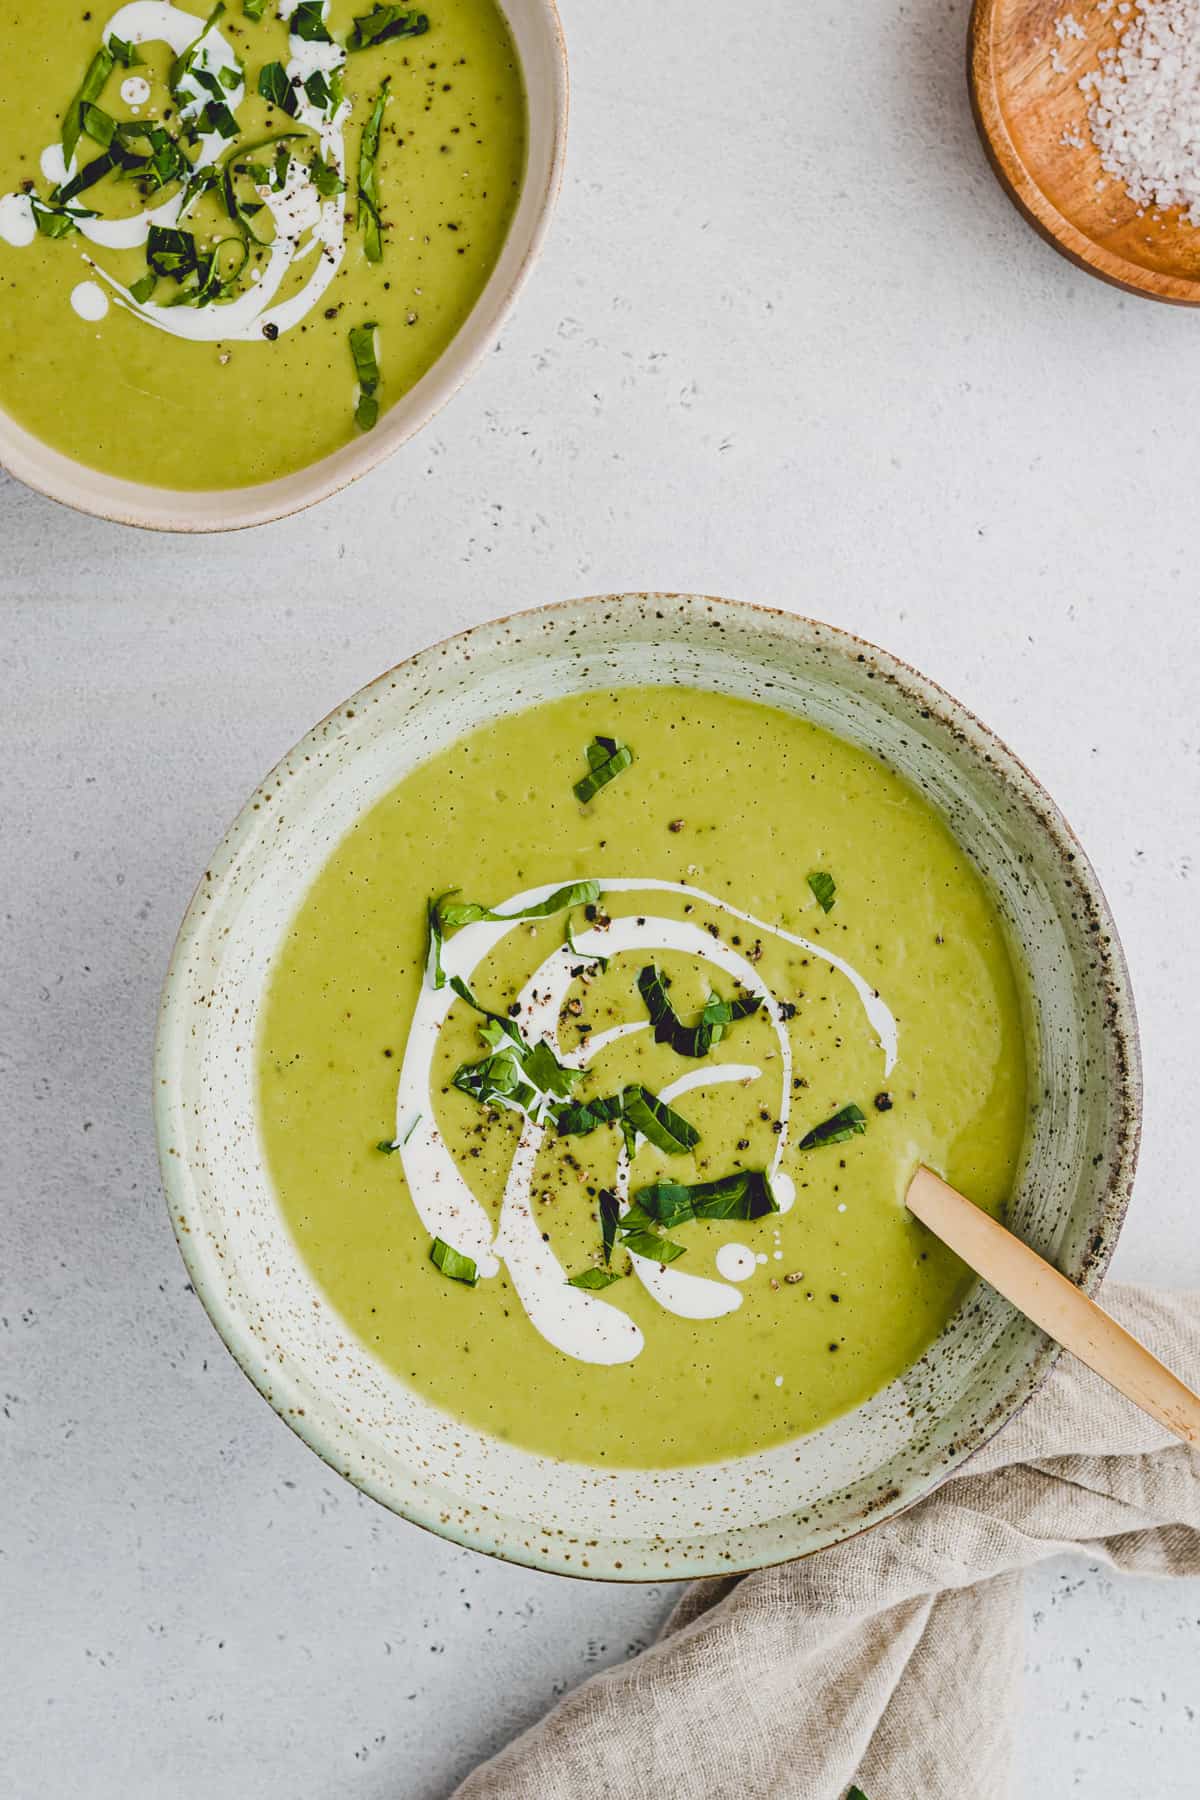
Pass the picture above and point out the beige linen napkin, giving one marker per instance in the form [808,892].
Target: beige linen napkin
[893,1660]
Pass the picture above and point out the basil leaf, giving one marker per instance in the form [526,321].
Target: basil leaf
[595,1280]
[317,90]
[745,1194]
[56,221]
[824,888]
[856,1793]
[849,1122]
[689,1040]
[125,54]
[505,1027]
[453,1263]
[216,117]
[274,86]
[606,759]
[384,22]
[254,9]
[470,912]
[325,178]
[658,1123]
[97,124]
[388,1145]
[231,78]
[586,1116]
[367,210]
[362,349]
[648,1244]
[184,63]
[170,251]
[434,972]
[98,72]
[307,23]
[610,1213]
[141,289]
[87,177]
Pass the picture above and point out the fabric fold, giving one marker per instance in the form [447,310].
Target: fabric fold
[894,1659]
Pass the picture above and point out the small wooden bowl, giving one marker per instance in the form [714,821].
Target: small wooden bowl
[1033,120]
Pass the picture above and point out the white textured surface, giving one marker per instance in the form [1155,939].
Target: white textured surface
[789,342]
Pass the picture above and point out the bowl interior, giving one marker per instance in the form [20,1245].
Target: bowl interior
[538,37]
[620,1523]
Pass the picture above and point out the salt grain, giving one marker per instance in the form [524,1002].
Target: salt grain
[1145,105]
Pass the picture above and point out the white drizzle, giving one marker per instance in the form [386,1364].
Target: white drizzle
[578,1323]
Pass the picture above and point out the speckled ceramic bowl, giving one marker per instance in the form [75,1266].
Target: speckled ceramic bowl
[624,1524]
[538,37]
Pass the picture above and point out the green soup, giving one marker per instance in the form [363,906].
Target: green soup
[178,291]
[628,1187]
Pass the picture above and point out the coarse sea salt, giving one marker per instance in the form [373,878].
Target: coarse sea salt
[1144,111]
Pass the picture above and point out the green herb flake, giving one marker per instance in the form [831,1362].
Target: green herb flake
[470,912]
[600,962]
[185,63]
[275,87]
[254,9]
[658,1123]
[610,1214]
[453,1263]
[388,1146]
[824,889]
[170,251]
[849,1122]
[121,52]
[649,1244]
[367,210]
[141,289]
[385,22]
[594,1280]
[366,368]
[92,86]
[325,178]
[318,91]
[97,124]
[690,1040]
[606,759]
[307,22]
[745,1195]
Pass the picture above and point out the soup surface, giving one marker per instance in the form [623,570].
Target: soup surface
[198,210]
[628,1186]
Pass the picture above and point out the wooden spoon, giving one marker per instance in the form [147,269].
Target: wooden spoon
[1055,1304]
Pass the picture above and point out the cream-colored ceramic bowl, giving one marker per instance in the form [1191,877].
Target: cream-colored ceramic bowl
[627,1524]
[538,36]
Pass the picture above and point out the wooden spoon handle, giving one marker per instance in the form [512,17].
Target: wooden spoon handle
[1055,1304]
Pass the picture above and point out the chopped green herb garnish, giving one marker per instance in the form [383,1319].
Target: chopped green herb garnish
[689,1040]
[216,117]
[585,1117]
[824,888]
[362,349]
[184,63]
[453,1263]
[170,251]
[274,85]
[367,210]
[606,759]
[97,124]
[141,289]
[595,1280]
[412,1128]
[56,221]
[388,1145]
[849,1122]
[856,1793]
[649,1244]
[470,912]
[658,1123]
[254,9]
[745,1194]
[325,178]
[98,72]
[318,91]
[610,1213]
[125,54]
[384,22]
[307,22]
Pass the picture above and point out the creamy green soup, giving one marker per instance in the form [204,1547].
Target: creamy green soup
[628,1186]
[229,241]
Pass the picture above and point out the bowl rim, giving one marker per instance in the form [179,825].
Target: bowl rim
[1110,1216]
[61,478]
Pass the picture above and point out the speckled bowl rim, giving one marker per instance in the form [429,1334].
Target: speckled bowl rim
[1109,1217]
[61,478]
